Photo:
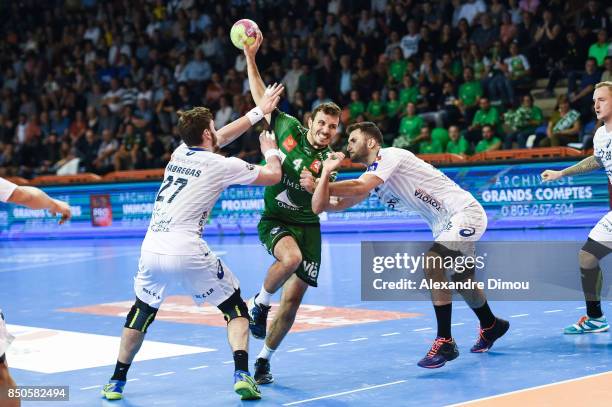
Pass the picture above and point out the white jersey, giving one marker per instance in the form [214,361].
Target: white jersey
[602,146]
[412,185]
[6,189]
[193,180]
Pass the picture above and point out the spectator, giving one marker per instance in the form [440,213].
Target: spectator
[517,69]
[103,163]
[457,143]
[484,35]
[426,144]
[569,65]
[223,115]
[392,110]
[375,111]
[564,125]
[469,94]
[599,50]
[321,98]
[485,116]
[356,107]
[198,70]
[489,141]
[291,80]
[581,96]
[409,129]
[521,123]
[153,151]
[410,42]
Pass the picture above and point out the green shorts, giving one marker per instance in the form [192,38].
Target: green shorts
[308,238]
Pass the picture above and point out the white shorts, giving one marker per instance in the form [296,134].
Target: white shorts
[602,231]
[203,276]
[464,229]
[5,337]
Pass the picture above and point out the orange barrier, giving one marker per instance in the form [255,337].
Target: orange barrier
[136,175]
[444,158]
[84,178]
[18,180]
[526,154]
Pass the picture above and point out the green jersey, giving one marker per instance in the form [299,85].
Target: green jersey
[288,200]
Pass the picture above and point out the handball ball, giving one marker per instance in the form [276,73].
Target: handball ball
[244,30]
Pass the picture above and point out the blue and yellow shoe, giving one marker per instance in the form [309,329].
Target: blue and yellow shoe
[113,390]
[245,386]
[488,336]
[586,325]
[443,350]
[258,314]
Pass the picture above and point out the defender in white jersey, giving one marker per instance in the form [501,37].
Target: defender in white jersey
[404,182]
[173,252]
[599,242]
[33,198]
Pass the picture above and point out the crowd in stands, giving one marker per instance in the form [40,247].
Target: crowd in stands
[92,85]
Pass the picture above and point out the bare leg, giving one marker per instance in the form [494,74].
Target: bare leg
[293,292]
[131,341]
[288,257]
[238,334]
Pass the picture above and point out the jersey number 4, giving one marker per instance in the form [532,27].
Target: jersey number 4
[181,182]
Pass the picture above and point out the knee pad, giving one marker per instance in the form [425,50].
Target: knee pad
[140,316]
[234,307]
[596,249]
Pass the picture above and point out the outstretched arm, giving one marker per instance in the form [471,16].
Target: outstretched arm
[256,84]
[589,164]
[266,104]
[35,198]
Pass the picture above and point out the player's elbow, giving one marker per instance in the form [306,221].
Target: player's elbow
[271,176]
[317,207]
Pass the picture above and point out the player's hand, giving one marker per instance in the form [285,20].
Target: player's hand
[308,181]
[333,161]
[251,50]
[267,141]
[63,209]
[551,175]
[271,97]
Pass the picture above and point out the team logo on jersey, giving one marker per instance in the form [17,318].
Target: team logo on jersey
[467,232]
[289,143]
[188,153]
[374,165]
[220,272]
[275,231]
[392,202]
[250,167]
[315,166]
[285,202]
[428,199]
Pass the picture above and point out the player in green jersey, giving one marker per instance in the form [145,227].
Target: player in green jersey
[288,227]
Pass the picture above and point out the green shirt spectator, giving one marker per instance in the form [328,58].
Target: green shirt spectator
[409,91]
[470,91]
[430,147]
[356,107]
[440,135]
[398,65]
[489,142]
[411,124]
[461,146]
[599,50]
[393,105]
[376,108]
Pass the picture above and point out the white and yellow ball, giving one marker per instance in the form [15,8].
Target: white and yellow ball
[244,30]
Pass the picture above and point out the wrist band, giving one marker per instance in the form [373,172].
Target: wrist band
[271,153]
[254,115]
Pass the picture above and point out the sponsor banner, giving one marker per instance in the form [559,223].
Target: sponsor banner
[506,271]
[512,195]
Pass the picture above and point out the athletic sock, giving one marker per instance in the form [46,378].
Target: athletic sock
[241,360]
[443,316]
[266,353]
[263,298]
[121,370]
[591,286]
[485,316]
[594,309]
